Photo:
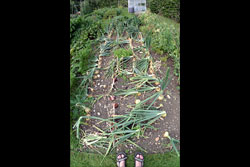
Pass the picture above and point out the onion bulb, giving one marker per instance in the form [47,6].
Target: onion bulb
[87,110]
[164,115]
[138,86]
[115,105]
[91,89]
[166,135]
[137,101]
[161,97]
[112,98]
[150,71]
[157,83]
[88,115]
[158,89]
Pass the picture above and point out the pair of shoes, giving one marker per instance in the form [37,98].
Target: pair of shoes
[119,160]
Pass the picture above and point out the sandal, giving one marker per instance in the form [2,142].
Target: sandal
[121,159]
[138,159]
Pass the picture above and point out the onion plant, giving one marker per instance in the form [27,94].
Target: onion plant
[124,127]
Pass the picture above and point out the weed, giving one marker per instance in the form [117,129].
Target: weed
[164,58]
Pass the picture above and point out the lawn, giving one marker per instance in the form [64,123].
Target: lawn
[82,159]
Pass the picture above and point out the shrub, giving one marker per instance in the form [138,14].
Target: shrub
[112,13]
[168,8]
[74,25]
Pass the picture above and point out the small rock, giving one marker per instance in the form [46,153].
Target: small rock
[168,96]
[98,113]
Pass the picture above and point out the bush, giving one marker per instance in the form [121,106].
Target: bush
[111,13]
[74,25]
[168,8]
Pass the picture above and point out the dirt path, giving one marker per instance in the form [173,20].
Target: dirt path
[155,142]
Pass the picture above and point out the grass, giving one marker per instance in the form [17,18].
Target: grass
[82,159]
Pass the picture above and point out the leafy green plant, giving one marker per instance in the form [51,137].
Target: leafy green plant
[123,52]
[74,25]
[168,8]
[112,13]
[165,37]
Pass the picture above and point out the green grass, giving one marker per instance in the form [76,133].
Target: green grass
[82,159]
[170,22]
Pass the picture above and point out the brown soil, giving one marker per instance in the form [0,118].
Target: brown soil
[171,104]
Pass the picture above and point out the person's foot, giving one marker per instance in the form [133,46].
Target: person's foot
[139,160]
[121,160]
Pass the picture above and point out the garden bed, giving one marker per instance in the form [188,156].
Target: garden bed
[129,94]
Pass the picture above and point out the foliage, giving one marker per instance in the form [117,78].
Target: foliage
[123,52]
[112,13]
[168,8]
[85,33]
[124,127]
[88,6]
[165,37]
[74,25]
[83,64]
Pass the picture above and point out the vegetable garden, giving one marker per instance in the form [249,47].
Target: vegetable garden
[124,81]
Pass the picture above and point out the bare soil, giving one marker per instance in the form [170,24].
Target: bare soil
[155,142]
